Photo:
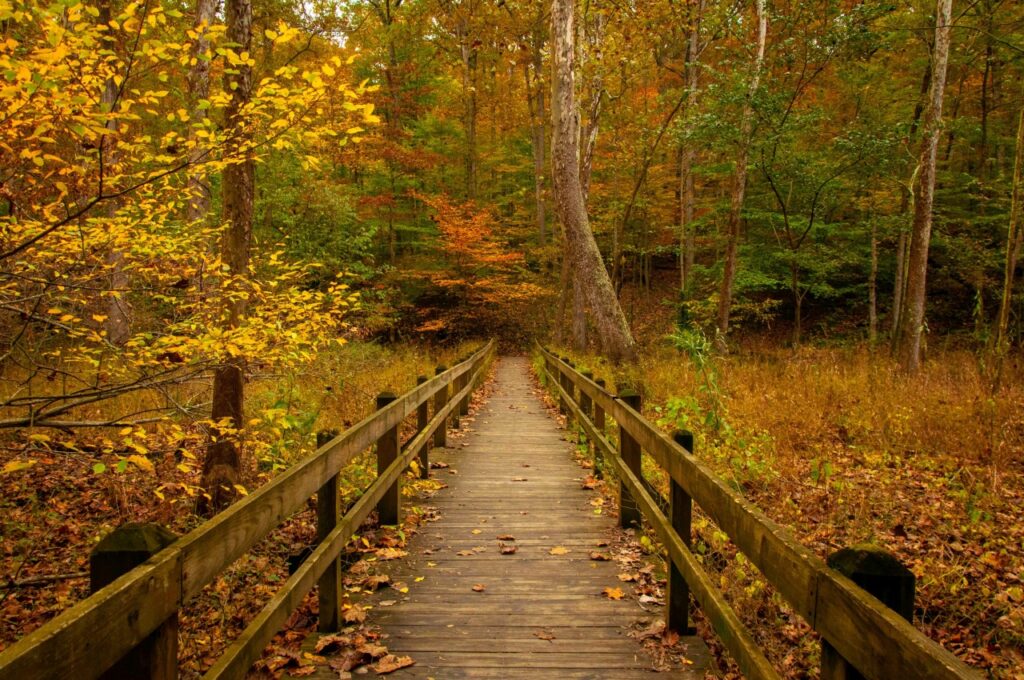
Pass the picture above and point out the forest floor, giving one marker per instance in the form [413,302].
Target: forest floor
[54,506]
[832,441]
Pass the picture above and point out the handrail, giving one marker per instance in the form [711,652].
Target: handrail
[872,638]
[95,633]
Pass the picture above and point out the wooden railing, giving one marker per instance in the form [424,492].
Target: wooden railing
[861,636]
[135,615]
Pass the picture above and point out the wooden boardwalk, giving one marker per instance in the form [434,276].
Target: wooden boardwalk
[538,614]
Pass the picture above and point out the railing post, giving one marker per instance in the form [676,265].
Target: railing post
[570,388]
[585,406]
[457,386]
[599,426]
[440,399]
[464,404]
[562,408]
[677,613]
[422,419]
[328,514]
[387,453]
[120,551]
[882,575]
[629,451]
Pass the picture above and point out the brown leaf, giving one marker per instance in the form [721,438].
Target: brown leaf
[391,663]
[330,643]
[465,553]
[506,537]
[589,482]
[506,549]
[599,556]
[303,671]
[373,651]
[354,614]
[544,635]
[479,587]
[627,577]
[390,554]
[375,582]
[613,593]
[520,479]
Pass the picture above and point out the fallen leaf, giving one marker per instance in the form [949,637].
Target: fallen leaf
[354,614]
[328,643]
[479,588]
[476,531]
[599,556]
[506,549]
[544,635]
[520,479]
[391,663]
[303,671]
[627,577]
[506,537]
[558,550]
[465,553]
[613,593]
[391,554]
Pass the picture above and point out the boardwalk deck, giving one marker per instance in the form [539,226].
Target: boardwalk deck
[515,475]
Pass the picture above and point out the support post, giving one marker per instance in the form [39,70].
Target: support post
[570,389]
[328,514]
[457,386]
[562,408]
[422,419]
[387,452]
[599,426]
[677,613]
[585,407]
[464,404]
[119,552]
[882,575]
[440,399]
[629,451]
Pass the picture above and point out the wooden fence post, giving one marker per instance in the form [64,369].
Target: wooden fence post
[677,613]
[456,386]
[387,452]
[328,514]
[599,426]
[570,388]
[882,575]
[422,420]
[464,403]
[440,399]
[585,406]
[120,551]
[629,451]
[562,407]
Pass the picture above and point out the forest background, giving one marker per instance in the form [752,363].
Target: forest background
[223,228]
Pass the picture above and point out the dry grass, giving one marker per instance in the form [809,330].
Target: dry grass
[840,446]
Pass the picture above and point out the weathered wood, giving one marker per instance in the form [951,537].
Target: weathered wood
[387,451]
[528,592]
[677,615]
[880,574]
[328,513]
[119,552]
[586,405]
[422,419]
[599,426]
[440,399]
[93,634]
[865,632]
[629,452]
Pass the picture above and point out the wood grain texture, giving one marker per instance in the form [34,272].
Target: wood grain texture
[515,474]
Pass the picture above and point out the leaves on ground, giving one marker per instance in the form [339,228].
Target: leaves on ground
[559,550]
[613,593]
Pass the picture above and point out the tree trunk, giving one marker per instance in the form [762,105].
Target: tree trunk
[222,468]
[469,72]
[1014,238]
[198,90]
[580,245]
[579,318]
[593,31]
[873,288]
[909,348]
[535,103]
[739,184]
[687,156]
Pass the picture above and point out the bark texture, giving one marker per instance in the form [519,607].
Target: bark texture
[222,468]
[908,348]
[739,181]
[198,90]
[580,246]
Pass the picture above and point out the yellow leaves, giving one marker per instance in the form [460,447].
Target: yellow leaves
[141,462]
[613,593]
[559,550]
[17,466]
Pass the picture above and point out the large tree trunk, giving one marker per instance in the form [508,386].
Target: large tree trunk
[909,346]
[1014,238]
[739,182]
[581,247]
[222,468]
[198,90]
